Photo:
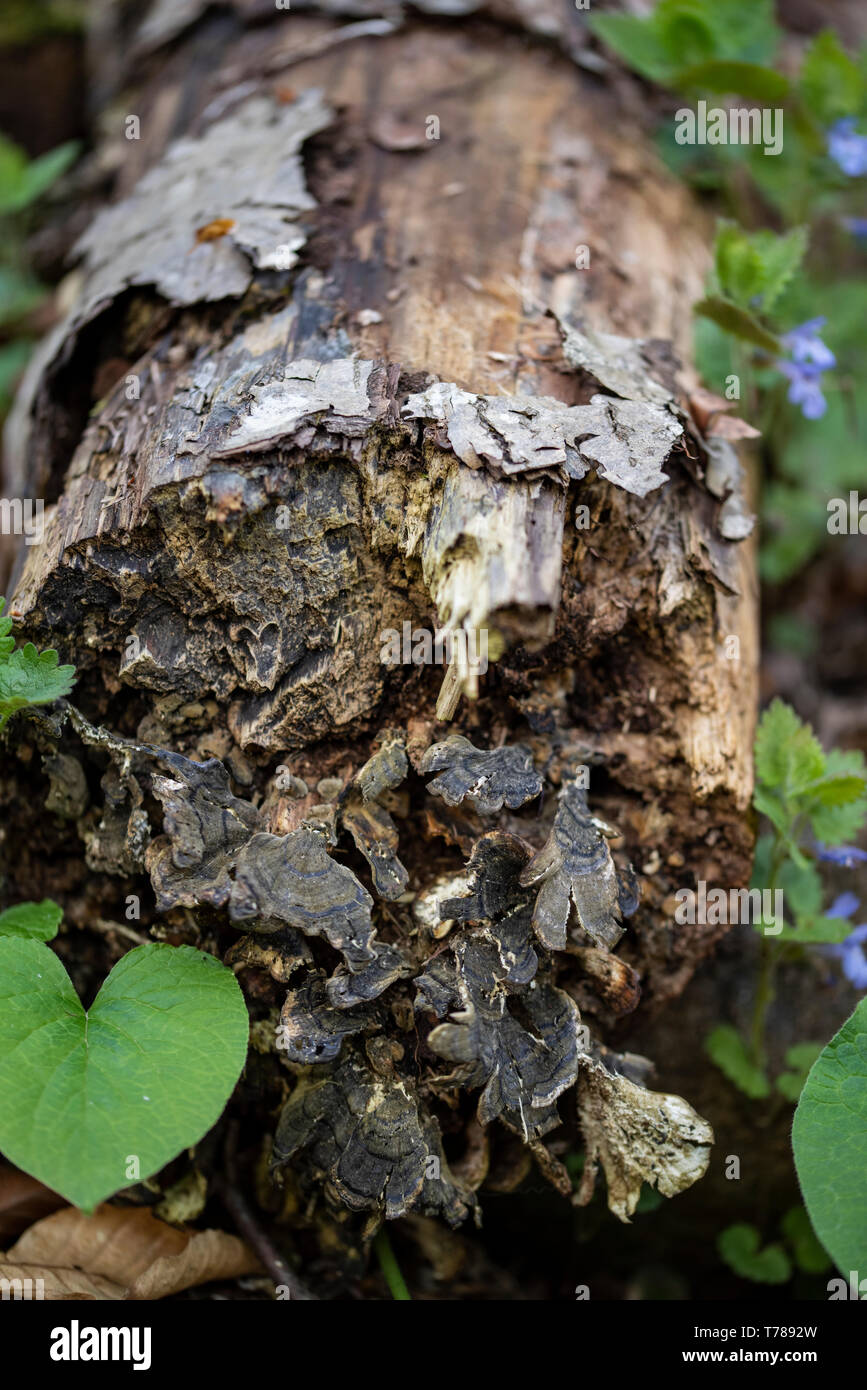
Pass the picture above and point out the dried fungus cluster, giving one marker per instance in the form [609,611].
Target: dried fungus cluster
[420,1012]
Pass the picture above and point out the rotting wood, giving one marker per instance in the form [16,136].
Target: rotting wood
[403,421]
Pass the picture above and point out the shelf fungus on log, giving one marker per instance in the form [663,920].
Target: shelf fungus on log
[489,780]
[522,1066]
[346,989]
[638,1136]
[369,1142]
[206,826]
[369,823]
[293,879]
[576,868]
[311,1028]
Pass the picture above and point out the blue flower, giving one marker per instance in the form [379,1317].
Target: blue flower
[857,226]
[847,148]
[804,389]
[845,855]
[850,952]
[853,956]
[807,347]
[810,357]
[843,906]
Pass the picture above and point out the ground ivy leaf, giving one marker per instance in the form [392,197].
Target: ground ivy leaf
[37,920]
[144,1073]
[29,677]
[829,1138]
[725,1046]
[739,1246]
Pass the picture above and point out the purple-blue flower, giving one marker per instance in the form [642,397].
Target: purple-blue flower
[853,956]
[847,148]
[843,906]
[857,226]
[804,389]
[807,347]
[847,856]
[810,357]
[851,952]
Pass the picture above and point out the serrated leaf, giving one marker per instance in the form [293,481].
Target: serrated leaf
[837,825]
[143,1074]
[738,1246]
[734,319]
[786,750]
[29,677]
[829,1139]
[38,921]
[831,84]
[7,643]
[781,257]
[727,1049]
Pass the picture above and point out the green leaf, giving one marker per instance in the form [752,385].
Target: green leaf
[787,751]
[836,825]
[7,643]
[738,1246]
[725,1046]
[39,921]
[13,167]
[817,931]
[802,886]
[831,84]
[738,321]
[829,1139]
[799,1058]
[757,265]
[22,181]
[28,677]
[737,263]
[141,1075]
[726,75]
[41,173]
[635,41]
[781,257]
[810,1256]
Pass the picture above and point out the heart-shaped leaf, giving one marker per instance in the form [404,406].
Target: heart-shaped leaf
[829,1138]
[739,1247]
[37,920]
[91,1101]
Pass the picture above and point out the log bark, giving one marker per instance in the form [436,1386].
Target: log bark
[330,366]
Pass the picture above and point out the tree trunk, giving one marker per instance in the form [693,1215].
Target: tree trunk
[387,322]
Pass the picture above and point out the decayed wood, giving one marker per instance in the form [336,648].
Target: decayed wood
[274,495]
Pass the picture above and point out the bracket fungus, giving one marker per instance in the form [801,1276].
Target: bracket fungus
[489,780]
[576,868]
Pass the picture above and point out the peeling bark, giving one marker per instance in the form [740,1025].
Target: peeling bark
[322,378]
